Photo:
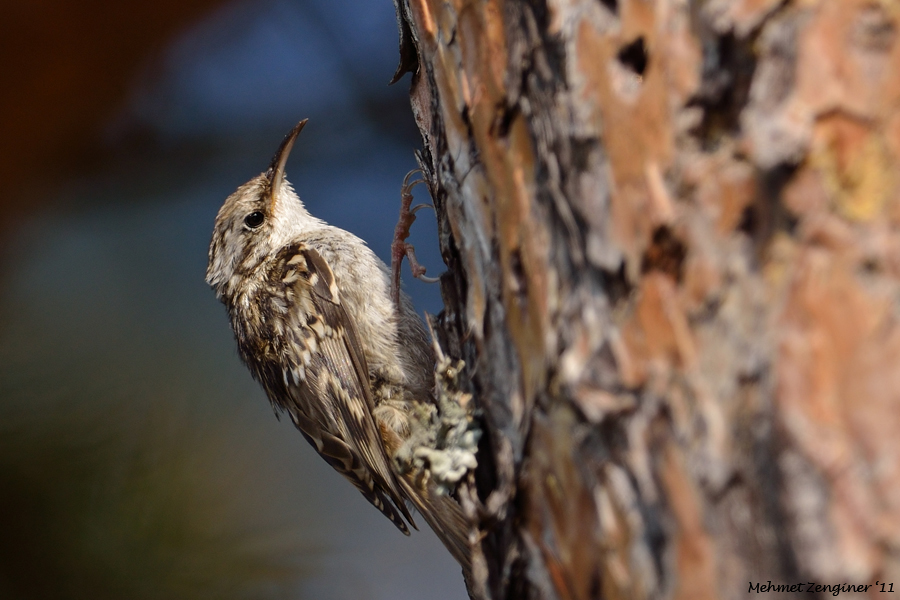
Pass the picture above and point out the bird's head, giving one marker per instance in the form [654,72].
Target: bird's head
[258,219]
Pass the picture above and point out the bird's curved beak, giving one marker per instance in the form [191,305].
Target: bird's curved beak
[276,169]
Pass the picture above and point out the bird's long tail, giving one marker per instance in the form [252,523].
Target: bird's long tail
[444,515]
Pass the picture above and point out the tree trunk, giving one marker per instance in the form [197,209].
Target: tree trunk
[671,232]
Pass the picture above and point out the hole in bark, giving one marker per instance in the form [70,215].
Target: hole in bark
[634,56]
[766,215]
[616,285]
[595,586]
[870,266]
[504,119]
[728,67]
[666,253]
[519,283]
[749,221]
[612,5]
[464,115]
[582,150]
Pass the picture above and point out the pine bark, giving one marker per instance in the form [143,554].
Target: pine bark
[671,233]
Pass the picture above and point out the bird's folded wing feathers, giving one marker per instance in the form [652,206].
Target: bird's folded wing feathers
[335,385]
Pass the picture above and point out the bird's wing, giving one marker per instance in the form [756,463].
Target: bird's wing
[327,379]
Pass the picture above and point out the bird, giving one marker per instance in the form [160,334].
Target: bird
[312,312]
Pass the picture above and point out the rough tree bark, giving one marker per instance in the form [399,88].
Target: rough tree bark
[671,232]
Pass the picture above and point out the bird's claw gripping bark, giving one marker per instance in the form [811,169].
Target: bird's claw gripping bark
[400,248]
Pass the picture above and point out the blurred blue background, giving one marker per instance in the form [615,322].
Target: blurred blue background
[137,457]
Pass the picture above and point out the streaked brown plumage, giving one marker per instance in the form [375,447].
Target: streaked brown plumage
[311,309]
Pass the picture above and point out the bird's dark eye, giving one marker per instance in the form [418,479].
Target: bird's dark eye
[254,219]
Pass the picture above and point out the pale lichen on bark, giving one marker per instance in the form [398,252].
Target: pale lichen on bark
[443,443]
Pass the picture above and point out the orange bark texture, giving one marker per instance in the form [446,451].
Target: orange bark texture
[743,181]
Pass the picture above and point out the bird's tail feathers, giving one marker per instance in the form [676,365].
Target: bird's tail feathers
[445,516]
